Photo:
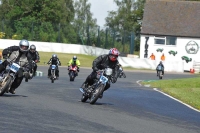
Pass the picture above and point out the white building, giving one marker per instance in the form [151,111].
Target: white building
[171,28]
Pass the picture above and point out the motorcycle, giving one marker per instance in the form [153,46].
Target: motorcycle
[8,76]
[94,91]
[72,72]
[53,73]
[121,72]
[29,75]
[159,69]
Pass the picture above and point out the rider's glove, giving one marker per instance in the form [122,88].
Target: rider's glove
[5,57]
[95,68]
[68,67]
[78,69]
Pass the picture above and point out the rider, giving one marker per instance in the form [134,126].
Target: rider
[34,55]
[17,54]
[74,61]
[101,62]
[161,64]
[54,61]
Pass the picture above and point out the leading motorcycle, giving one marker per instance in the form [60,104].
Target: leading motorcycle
[94,91]
[8,76]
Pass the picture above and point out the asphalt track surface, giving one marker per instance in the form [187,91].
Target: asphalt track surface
[40,106]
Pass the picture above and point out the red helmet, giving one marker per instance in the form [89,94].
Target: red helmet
[113,54]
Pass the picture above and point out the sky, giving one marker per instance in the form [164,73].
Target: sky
[99,9]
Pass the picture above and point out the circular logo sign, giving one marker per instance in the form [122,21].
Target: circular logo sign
[192,47]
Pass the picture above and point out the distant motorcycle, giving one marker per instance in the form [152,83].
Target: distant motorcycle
[8,76]
[72,72]
[94,91]
[53,73]
[159,69]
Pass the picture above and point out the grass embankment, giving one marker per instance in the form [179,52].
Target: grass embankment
[86,60]
[186,90]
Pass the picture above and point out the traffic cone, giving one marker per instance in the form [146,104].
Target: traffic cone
[192,70]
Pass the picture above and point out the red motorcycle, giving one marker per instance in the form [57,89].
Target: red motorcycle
[73,72]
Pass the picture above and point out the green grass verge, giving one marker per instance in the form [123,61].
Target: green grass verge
[86,60]
[186,90]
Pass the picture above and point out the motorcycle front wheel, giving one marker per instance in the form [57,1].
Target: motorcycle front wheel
[71,76]
[84,98]
[4,85]
[160,74]
[97,92]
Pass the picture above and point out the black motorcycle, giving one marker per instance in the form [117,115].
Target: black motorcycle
[159,69]
[30,75]
[53,73]
[94,91]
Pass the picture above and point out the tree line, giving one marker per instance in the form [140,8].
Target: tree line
[71,21]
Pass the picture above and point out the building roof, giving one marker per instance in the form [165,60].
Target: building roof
[171,18]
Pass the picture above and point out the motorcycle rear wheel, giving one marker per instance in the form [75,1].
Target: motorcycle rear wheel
[5,85]
[95,95]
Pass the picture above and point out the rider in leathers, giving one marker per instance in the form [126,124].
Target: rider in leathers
[54,61]
[34,55]
[101,62]
[17,54]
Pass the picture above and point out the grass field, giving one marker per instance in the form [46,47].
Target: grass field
[86,60]
[186,90]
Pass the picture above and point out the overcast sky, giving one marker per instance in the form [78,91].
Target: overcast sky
[99,9]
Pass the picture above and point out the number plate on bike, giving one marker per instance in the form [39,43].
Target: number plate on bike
[103,79]
[53,66]
[14,67]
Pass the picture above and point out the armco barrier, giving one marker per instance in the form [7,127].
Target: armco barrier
[175,66]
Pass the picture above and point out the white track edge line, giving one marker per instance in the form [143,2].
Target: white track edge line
[138,82]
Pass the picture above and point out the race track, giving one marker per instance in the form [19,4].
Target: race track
[40,106]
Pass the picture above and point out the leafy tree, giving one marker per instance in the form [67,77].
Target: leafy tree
[36,19]
[126,19]
[84,22]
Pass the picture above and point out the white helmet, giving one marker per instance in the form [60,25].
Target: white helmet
[24,45]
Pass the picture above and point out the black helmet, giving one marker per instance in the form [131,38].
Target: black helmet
[32,48]
[54,56]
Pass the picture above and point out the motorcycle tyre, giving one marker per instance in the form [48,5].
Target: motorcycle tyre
[160,75]
[124,75]
[93,98]
[84,98]
[71,77]
[6,86]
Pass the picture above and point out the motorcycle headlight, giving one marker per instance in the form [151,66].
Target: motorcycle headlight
[108,71]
